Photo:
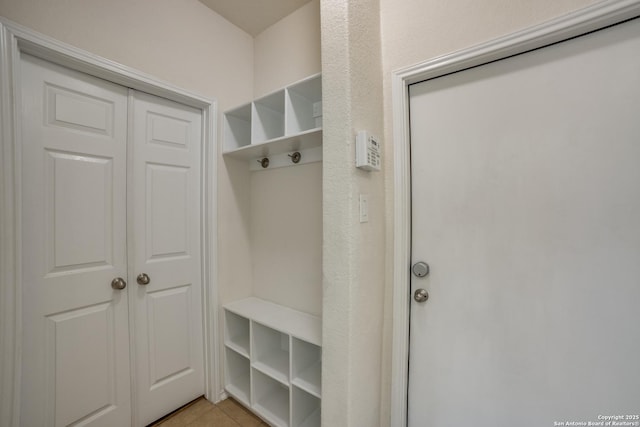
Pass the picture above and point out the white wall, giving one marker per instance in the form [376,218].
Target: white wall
[286,204]
[417,30]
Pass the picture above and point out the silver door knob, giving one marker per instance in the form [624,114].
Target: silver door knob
[118,283]
[421,295]
[143,279]
[420,269]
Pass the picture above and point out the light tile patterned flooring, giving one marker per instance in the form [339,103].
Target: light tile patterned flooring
[202,413]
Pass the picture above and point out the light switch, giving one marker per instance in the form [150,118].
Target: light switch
[364,208]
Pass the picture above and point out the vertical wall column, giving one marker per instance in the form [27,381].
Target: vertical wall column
[353,253]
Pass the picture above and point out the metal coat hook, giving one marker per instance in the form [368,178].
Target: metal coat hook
[264,162]
[295,157]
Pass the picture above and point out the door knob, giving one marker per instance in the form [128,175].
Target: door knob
[118,283]
[420,269]
[421,295]
[143,279]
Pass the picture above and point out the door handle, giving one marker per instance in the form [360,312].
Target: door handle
[143,279]
[421,295]
[118,283]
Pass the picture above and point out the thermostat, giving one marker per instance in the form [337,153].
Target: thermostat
[368,151]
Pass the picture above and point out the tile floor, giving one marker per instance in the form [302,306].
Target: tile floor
[202,413]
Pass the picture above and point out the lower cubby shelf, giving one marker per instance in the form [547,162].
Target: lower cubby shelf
[271,352]
[306,367]
[306,409]
[237,333]
[271,399]
[237,375]
[273,360]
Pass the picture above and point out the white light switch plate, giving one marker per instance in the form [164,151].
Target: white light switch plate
[364,208]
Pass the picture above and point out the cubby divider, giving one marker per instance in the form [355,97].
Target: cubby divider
[273,360]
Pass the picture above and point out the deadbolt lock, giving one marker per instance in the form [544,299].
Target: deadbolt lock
[420,269]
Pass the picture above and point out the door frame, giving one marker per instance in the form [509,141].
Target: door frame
[14,40]
[582,21]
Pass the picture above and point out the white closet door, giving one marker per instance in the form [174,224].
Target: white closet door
[75,340]
[165,226]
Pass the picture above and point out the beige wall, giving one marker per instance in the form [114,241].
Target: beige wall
[288,51]
[184,43]
[414,31]
[353,252]
[286,221]
[286,203]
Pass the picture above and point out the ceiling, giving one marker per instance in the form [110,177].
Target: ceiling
[254,16]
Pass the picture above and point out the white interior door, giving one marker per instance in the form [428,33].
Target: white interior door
[526,205]
[97,208]
[165,225]
[75,334]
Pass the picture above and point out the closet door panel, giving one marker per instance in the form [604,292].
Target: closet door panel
[75,339]
[167,218]
[165,226]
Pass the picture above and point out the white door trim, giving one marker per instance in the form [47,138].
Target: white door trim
[591,18]
[15,39]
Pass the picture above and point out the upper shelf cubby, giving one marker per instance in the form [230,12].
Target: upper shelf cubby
[304,106]
[287,120]
[237,128]
[268,118]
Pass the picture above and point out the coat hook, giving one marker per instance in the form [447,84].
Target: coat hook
[264,162]
[295,157]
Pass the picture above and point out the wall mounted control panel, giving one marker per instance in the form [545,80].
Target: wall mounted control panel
[368,151]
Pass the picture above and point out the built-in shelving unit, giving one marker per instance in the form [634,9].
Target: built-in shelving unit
[280,123]
[273,361]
